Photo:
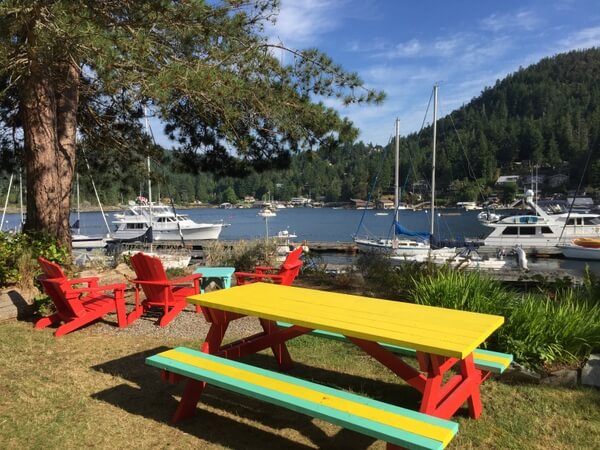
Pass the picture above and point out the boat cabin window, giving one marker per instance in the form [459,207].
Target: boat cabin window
[135,226]
[547,230]
[590,221]
[527,231]
[513,231]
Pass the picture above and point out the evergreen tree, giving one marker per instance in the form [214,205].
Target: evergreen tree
[76,66]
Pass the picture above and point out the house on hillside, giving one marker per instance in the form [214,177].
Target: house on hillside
[506,179]
[532,180]
[362,204]
[557,180]
[385,204]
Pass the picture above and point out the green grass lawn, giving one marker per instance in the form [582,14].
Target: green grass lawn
[87,390]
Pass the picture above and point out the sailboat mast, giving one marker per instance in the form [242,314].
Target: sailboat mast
[21,197]
[78,212]
[151,224]
[147,126]
[435,104]
[397,176]
[6,201]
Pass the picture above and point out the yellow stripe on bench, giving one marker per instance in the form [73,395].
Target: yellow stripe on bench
[393,424]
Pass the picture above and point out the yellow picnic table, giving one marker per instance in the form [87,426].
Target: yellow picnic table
[443,338]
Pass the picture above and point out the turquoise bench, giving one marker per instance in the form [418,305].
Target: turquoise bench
[395,425]
[222,273]
[487,360]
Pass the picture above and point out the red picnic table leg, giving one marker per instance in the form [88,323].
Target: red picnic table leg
[282,355]
[444,399]
[193,388]
[440,398]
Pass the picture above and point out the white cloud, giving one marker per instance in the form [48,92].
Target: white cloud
[522,20]
[300,22]
[586,38]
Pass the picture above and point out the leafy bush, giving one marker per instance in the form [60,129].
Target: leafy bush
[243,255]
[18,253]
[387,280]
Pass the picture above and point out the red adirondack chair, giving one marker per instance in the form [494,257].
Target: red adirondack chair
[159,290]
[286,274]
[78,306]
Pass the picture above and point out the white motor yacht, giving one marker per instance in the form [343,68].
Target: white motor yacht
[539,231]
[166,224]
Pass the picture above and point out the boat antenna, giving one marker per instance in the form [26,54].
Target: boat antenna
[6,201]
[396,182]
[587,162]
[172,203]
[87,164]
[435,104]
[78,212]
[375,181]
[21,196]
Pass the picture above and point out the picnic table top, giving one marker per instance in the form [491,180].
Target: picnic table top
[435,330]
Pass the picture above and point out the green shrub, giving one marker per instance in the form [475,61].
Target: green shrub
[385,279]
[467,291]
[548,332]
[19,251]
[243,255]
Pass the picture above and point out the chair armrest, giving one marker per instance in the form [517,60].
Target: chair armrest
[240,277]
[263,269]
[187,279]
[168,282]
[90,281]
[106,287]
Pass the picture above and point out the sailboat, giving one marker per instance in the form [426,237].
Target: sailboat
[84,241]
[406,248]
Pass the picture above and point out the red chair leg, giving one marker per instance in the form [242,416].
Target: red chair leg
[45,321]
[170,315]
[71,326]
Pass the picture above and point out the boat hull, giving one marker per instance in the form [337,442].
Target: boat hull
[578,252]
[202,232]
[81,241]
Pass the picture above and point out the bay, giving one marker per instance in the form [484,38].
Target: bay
[331,225]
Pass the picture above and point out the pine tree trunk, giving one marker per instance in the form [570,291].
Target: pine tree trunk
[48,108]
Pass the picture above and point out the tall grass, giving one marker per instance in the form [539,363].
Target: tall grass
[467,291]
[545,332]
[556,326]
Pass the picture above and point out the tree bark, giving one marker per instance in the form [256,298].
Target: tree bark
[49,107]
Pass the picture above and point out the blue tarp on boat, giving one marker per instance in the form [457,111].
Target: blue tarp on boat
[406,232]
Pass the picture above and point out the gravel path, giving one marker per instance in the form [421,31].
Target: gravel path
[187,325]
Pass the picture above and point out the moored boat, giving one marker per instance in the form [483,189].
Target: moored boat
[539,232]
[165,223]
[582,248]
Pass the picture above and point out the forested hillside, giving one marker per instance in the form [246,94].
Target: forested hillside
[546,115]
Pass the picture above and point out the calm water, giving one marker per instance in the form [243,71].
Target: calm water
[330,225]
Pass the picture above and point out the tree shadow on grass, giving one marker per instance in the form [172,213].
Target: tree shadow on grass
[233,428]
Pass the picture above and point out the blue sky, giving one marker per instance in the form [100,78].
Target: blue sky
[404,46]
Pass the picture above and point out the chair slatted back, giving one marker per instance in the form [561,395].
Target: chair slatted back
[150,268]
[56,285]
[51,269]
[292,259]
[291,266]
